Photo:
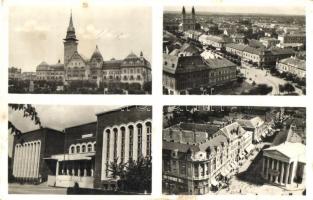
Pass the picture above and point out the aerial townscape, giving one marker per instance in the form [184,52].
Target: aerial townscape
[234,150]
[81,75]
[208,53]
[111,155]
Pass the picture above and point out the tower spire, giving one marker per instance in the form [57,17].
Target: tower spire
[183,11]
[70,34]
[193,10]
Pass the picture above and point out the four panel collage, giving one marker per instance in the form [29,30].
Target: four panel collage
[107,52]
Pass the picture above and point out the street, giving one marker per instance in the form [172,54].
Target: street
[238,186]
[15,188]
[262,77]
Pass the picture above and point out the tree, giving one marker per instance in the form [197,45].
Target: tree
[134,175]
[289,88]
[29,112]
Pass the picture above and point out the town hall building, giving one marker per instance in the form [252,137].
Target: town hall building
[132,69]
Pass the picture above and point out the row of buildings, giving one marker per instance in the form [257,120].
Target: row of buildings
[194,155]
[82,154]
[181,73]
[132,69]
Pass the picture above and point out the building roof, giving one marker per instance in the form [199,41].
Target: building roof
[112,64]
[219,63]
[250,123]
[96,54]
[239,47]
[294,62]
[290,150]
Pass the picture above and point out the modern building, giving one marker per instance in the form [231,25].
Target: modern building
[81,154]
[181,74]
[292,65]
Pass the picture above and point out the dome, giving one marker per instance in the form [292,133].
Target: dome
[132,56]
[43,66]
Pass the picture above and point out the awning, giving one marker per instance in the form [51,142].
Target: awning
[214,182]
[249,148]
[70,157]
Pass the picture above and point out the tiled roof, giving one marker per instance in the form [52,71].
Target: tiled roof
[219,63]
[294,62]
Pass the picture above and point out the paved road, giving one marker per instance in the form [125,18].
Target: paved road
[261,77]
[34,189]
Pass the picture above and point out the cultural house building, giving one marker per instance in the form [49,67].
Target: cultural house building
[81,154]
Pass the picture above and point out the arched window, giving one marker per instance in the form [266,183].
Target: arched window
[138,77]
[78,149]
[72,150]
[139,132]
[89,147]
[83,148]
[94,146]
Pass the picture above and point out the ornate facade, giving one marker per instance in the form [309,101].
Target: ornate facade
[132,69]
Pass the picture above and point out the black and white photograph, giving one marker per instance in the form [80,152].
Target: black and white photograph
[234,150]
[85,150]
[80,50]
[234,50]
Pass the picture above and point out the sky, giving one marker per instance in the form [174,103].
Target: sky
[36,33]
[56,116]
[260,9]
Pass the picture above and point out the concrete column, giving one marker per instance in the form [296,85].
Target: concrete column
[277,168]
[119,144]
[78,169]
[57,169]
[205,168]
[273,168]
[32,172]
[126,152]
[62,166]
[104,155]
[37,154]
[73,169]
[23,160]
[17,154]
[267,168]
[144,140]
[38,159]
[30,164]
[287,173]
[26,157]
[111,159]
[135,143]
[15,160]
[85,169]
[282,167]
[291,172]
[263,166]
